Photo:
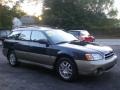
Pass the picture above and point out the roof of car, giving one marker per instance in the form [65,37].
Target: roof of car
[34,28]
[77,30]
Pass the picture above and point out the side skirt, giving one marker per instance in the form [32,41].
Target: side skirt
[35,63]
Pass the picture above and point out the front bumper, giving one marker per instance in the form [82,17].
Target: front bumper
[92,67]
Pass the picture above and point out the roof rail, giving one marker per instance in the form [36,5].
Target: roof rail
[27,26]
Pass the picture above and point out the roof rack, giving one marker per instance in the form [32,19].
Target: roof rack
[27,26]
[37,26]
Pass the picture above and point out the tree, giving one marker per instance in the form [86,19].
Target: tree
[16,10]
[5,18]
[7,14]
[78,13]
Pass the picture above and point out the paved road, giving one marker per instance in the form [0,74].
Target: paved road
[30,77]
[108,41]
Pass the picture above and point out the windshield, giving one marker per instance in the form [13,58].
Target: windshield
[59,36]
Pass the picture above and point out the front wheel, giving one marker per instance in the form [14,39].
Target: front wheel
[66,69]
[12,59]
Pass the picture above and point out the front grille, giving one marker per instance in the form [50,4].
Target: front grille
[109,55]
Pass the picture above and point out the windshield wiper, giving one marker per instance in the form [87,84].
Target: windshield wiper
[74,41]
[62,42]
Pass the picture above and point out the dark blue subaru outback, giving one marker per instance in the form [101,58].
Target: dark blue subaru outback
[58,50]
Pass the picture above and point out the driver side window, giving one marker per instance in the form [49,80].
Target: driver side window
[37,35]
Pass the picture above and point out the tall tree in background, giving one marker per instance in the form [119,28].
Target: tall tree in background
[79,13]
[7,14]
[16,10]
[5,17]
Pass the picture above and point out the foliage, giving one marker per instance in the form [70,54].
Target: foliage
[5,18]
[79,13]
[7,14]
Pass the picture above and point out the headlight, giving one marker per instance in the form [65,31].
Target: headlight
[93,57]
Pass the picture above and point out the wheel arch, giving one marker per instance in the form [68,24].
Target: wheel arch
[61,55]
[8,52]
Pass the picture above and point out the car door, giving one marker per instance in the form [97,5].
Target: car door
[22,45]
[12,40]
[39,52]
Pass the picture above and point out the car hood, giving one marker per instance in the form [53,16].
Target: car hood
[87,47]
[103,49]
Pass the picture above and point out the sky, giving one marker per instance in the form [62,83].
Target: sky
[28,6]
[117,5]
[32,8]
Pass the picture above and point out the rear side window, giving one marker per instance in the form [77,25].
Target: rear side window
[14,35]
[75,33]
[25,35]
[37,35]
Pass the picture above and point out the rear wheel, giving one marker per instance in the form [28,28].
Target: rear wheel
[12,59]
[66,69]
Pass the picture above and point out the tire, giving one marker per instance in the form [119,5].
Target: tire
[12,59]
[66,69]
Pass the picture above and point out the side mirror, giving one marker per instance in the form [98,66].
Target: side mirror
[44,41]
